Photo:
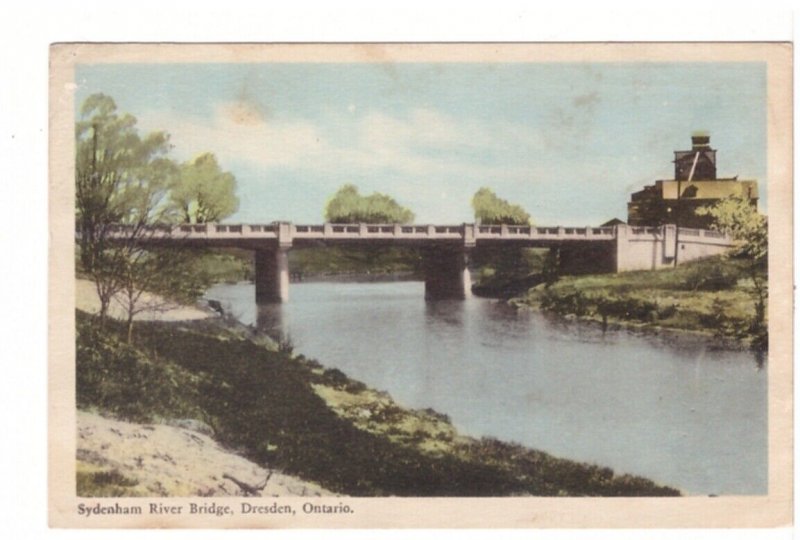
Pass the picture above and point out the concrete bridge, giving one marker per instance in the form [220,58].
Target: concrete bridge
[446,248]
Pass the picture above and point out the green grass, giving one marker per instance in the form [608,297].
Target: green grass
[712,295]
[261,403]
[104,483]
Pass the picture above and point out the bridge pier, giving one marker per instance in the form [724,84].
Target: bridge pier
[446,273]
[272,275]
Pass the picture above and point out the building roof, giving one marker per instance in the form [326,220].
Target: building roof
[612,222]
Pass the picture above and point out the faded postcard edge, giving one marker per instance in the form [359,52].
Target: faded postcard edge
[772,510]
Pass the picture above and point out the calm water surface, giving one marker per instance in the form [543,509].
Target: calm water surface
[680,413]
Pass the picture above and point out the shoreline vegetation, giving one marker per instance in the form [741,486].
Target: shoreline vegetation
[287,413]
[709,297]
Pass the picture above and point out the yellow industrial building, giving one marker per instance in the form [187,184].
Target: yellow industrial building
[695,185]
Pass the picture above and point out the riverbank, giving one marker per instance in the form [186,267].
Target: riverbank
[289,413]
[711,297]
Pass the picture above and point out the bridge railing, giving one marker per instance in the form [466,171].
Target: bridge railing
[527,231]
[378,230]
[201,230]
[645,230]
[706,233]
[262,228]
[703,233]
[287,231]
[470,233]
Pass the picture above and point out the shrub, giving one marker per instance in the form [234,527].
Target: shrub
[573,302]
[104,484]
[337,379]
[286,345]
[721,322]
[629,308]
[718,277]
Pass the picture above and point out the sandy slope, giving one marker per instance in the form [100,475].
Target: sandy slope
[161,460]
[157,308]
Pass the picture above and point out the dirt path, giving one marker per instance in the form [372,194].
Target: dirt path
[159,309]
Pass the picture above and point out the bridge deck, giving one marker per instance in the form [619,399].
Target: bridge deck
[212,232]
[288,234]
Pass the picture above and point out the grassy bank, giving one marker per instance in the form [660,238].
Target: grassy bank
[713,296]
[290,413]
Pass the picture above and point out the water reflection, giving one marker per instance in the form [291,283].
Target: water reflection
[448,312]
[761,358]
[681,411]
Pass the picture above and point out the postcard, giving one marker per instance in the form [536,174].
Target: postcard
[508,285]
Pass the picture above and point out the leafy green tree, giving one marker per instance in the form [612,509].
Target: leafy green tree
[125,187]
[203,192]
[492,210]
[501,266]
[121,182]
[348,206]
[740,219]
[118,174]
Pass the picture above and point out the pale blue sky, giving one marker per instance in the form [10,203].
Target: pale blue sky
[568,142]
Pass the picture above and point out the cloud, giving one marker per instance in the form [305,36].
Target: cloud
[237,132]
[420,143]
[430,161]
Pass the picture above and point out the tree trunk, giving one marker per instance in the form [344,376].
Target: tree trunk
[105,304]
[130,328]
[103,313]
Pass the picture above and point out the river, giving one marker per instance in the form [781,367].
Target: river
[678,411]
